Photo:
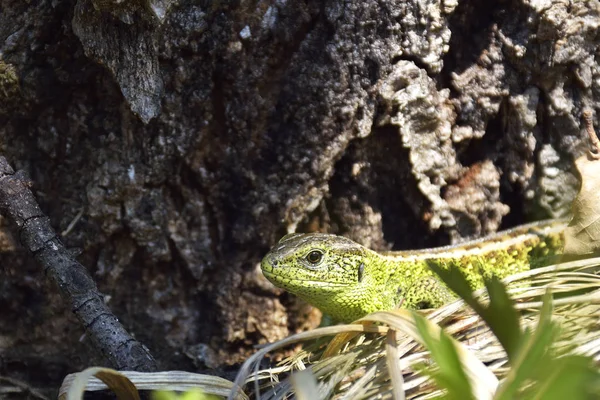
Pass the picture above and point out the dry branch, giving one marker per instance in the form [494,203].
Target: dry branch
[76,286]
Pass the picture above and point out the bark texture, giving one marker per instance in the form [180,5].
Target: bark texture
[174,141]
[77,287]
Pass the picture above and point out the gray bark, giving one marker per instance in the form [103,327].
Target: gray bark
[194,134]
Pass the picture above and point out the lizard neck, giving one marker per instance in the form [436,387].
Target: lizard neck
[377,288]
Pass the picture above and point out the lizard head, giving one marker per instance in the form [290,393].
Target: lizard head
[327,271]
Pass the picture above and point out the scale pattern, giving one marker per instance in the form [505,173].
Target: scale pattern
[347,281]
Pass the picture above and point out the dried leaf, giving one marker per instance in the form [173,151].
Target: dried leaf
[117,382]
[120,382]
[582,236]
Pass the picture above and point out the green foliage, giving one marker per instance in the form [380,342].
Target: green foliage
[500,314]
[537,370]
[194,394]
[449,374]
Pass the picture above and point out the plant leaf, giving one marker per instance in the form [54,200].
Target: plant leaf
[500,314]
[449,374]
[582,236]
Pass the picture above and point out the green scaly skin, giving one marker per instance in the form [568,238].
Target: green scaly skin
[349,281]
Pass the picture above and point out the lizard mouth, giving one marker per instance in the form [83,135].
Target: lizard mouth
[291,282]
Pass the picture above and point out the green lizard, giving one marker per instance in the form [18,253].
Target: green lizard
[347,281]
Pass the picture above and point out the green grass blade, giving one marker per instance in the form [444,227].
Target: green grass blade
[449,374]
[571,377]
[532,355]
[500,315]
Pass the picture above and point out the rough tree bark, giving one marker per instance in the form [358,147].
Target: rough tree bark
[193,134]
[78,289]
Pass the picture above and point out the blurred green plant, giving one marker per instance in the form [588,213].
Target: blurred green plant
[537,369]
[194,394]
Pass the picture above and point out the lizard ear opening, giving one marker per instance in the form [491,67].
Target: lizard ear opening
[423,305]
[361,270]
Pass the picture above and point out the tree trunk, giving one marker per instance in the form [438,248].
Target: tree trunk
[174,142]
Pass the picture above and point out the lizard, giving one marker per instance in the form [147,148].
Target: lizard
[347,281]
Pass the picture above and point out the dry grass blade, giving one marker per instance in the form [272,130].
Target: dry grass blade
[254,361]
[165,380]
[305,385]
[110,378]
[359,389]
[362,353]
[483,381]
[393,365]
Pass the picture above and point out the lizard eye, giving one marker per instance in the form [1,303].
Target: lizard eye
[314,257]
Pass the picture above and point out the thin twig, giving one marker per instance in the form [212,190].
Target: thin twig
[73,223]
[24,387]
[77,287]
[589,127]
